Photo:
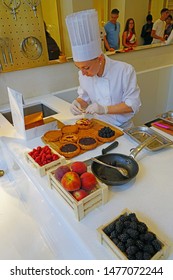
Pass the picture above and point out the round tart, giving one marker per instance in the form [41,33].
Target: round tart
[106,134]
[84,123]
[69,129]
[69,150]
[87,142]
[69,138]
[52,135]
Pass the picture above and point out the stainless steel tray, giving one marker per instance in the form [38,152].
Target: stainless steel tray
[141,133]
[167,117]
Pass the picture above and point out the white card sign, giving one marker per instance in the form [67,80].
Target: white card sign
[16,105]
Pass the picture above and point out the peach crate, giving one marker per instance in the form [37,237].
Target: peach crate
[116,252]
[80,208]
[42,170]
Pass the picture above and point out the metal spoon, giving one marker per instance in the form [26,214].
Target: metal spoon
[1,172]
[121,170]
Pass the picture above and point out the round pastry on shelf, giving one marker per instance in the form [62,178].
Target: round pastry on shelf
[69,129]
[106,134]
[52,135]
[87,142]
[69,150]
[84,123]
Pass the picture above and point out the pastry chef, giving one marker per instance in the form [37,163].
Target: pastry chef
[108,88]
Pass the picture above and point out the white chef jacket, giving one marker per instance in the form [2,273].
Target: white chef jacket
[117,84]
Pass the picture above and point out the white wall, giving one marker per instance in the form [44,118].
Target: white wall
[170,93]
[155,91]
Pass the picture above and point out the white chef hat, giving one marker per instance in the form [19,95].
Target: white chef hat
[84,35]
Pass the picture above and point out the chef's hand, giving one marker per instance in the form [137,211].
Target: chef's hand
[75,108]
[96,108]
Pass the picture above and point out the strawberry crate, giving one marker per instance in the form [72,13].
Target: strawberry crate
[110,242]
[42,170]
[97,197]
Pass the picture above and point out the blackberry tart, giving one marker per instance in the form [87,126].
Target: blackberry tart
[69,150]
[106,134]
[87,142]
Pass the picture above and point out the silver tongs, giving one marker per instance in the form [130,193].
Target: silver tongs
[2,46]
[33,5]
[8,46]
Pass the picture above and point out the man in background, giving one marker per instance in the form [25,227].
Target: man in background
[112,29]
[159,27]
[146,30]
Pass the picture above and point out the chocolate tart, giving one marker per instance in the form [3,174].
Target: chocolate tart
[84,123]
[52,135]
[69,150]
[87,142]
[69,129]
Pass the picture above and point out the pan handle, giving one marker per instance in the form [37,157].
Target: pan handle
[110,147]
[136,150]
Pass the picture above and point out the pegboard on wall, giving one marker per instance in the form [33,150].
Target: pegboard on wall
[22,40]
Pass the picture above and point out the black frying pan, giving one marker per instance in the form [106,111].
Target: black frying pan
[112,177]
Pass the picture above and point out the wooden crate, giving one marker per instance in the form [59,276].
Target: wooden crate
[42,170]
[110,245]
[84,206]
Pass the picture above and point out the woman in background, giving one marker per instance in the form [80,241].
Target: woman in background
[129,35]
[169,27]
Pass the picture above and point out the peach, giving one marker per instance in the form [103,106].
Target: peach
[60,171]
[79,167]
[88,181]
[71,181]
[79,194]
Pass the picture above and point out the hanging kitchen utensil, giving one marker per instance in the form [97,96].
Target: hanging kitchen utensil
[2,46]
[31,47]
[12,5]
[8,46]
[33,5]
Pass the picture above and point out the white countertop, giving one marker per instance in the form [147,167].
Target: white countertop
[62,236]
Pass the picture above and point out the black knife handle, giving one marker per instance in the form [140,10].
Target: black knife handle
[110,147]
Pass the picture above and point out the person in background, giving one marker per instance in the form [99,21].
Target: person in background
[107,88]
[112,29]
[53,48]
[146,30]
[159,27]
[129,39]
[169,27]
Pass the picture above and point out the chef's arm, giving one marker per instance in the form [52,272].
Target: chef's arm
[120,108]
[153,34]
